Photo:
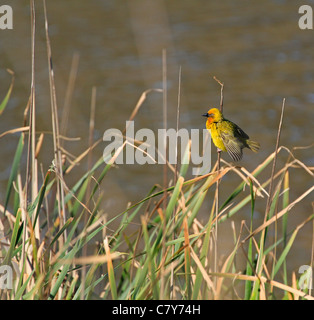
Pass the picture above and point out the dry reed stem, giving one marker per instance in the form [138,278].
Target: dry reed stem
[139,104]
[218,181]
[55,131]
[31,166]
[96,259]
[88,191]
[263,280]
[247,182]
[69,93]
[21,129]
[274,162]
[165,170]
[279,215]
[205,275]
[81,156]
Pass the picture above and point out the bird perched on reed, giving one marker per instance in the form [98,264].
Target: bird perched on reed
[227,136]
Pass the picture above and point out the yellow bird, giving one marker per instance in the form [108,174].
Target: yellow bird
[227,136]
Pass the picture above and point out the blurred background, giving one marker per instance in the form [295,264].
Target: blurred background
[255,47]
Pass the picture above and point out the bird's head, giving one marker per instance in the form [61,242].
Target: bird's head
[213,115]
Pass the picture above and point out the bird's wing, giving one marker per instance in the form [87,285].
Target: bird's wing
[233,148]
[240,132]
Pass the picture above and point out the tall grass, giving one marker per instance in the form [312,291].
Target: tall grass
[55,252]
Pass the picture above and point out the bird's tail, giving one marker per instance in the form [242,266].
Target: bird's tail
[253,145]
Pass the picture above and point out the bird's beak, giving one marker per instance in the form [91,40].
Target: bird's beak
[205,115]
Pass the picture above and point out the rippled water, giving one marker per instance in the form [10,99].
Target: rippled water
[255,47]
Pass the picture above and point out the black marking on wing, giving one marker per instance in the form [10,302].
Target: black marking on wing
[240,132]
